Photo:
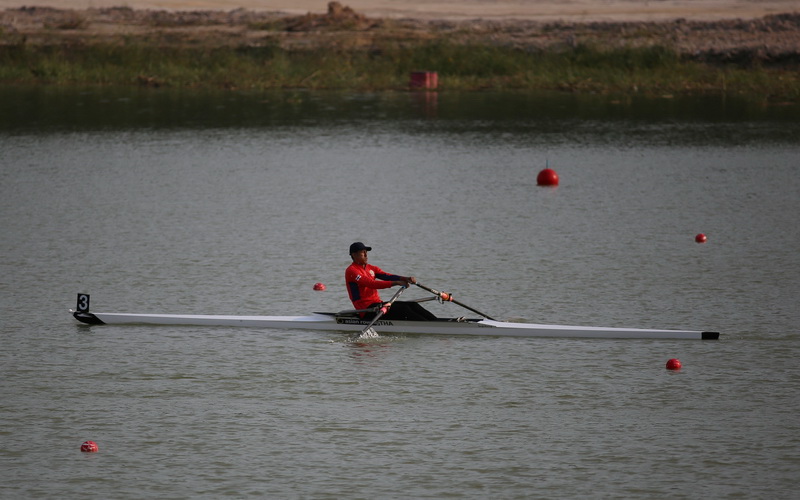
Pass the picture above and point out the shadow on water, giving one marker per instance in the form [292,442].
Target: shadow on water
[722,120]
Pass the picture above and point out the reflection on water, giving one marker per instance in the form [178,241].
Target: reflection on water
[577,117]
[364,351]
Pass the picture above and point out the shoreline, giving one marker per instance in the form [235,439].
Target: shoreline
[463,10]
[44,45]
[771,39]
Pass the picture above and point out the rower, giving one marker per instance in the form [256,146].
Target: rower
[364,280]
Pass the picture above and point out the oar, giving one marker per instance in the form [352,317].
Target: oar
[383,310]
[449,298]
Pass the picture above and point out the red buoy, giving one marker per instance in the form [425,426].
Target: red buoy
[547,177]
[319,286]
[674,364]
[700,238]
[89,447]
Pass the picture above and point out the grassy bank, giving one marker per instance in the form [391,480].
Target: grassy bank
[651,70]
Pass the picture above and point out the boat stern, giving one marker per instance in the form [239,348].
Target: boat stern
[81,311]
[86,317]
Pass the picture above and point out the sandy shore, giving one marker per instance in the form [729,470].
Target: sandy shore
[531,10]
[710,30]
[735,34]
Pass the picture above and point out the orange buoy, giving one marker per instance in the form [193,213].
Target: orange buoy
[319,286]
[89,447]
[700,238]
[674,364]
[547,177]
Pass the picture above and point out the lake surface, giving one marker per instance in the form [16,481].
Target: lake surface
[237,203]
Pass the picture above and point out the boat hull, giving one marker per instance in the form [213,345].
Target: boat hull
[330,322]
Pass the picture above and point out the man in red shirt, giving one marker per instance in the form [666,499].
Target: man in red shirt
[364,280]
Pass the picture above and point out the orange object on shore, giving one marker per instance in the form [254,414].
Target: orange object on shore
[427,80]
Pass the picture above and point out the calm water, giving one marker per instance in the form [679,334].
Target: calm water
[238,203]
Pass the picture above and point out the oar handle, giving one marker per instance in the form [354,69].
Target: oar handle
[449,298]
[394,297]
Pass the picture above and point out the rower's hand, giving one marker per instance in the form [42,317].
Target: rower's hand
[411,280]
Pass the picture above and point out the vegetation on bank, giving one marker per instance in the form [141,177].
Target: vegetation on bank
[653,70]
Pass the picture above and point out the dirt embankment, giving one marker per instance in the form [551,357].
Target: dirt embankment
[773,39]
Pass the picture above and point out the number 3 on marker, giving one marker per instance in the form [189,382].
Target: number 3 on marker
[83,302]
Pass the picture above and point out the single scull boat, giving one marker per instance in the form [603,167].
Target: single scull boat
[350,322]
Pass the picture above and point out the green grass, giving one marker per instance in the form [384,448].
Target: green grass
[651,70]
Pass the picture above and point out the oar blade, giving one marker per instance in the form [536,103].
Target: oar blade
[368,333]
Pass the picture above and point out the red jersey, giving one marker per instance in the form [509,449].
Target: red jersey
[364,281]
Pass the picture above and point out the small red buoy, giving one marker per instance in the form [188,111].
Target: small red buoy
[319,286]
[700,238]
[89,447]
[674,364]
[547,177]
